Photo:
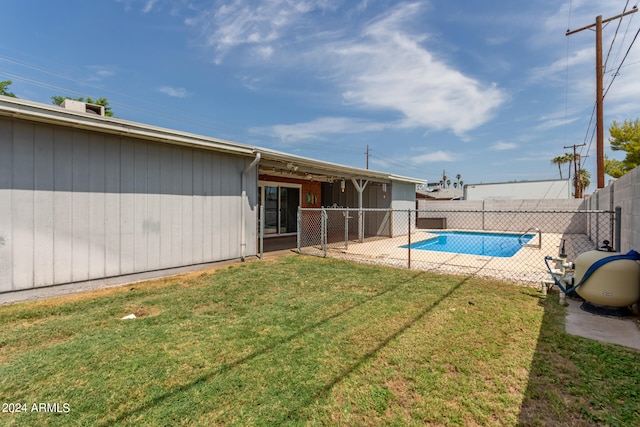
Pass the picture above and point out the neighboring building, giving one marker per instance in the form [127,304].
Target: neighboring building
[520,190]
[439,194]
[85,197]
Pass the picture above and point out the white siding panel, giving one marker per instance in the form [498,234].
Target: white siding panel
[233,225]
[23,205]
[217,207]
[6,222]
[80,202]
[127,206]
[207,208]
[43,221]
[197,207]
[187,207]
[112,206]
[225,208]
[140,231]
[152,221]
[166,207]
[177,214]
[97,206]
[62,206]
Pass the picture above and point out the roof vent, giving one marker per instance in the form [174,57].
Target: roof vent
[82,107]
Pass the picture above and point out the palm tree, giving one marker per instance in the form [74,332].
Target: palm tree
[558,161]
[448,183]
[458,176]
[455,185]
[561,160]
[581,181]
[441,182]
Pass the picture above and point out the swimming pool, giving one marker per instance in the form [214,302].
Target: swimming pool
[503,245]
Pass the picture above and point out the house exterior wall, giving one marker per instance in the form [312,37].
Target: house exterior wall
[78,205]
[311,191]
[372,196]
[403,197]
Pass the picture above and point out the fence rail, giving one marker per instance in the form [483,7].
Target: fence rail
[503,244]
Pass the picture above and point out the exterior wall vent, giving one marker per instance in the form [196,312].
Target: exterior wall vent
[82,107]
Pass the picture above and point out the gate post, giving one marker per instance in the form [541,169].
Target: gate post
[261,225]
[346,229]
[323,231]
[409,238]
[299,220]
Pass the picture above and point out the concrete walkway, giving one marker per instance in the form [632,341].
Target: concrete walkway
[612,330]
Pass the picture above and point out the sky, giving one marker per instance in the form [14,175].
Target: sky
[490,91]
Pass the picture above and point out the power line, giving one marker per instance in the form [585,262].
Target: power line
[615,35]
[599,89]
[622,62]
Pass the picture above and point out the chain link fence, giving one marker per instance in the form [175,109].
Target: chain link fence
[507,245]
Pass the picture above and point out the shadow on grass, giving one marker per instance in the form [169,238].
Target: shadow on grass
[579,381]
[158,400]
[292,415]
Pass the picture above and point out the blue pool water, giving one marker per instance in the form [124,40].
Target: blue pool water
[474,243]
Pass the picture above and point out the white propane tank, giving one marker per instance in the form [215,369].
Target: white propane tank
[614,284]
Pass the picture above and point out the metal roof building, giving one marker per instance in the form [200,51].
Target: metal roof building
[85,197]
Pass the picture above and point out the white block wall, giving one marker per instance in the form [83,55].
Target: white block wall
[624,192]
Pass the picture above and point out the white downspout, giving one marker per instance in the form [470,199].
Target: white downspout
[243,197]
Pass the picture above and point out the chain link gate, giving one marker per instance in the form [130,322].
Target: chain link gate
[412,238]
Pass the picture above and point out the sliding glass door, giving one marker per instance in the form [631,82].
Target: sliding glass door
[281,203]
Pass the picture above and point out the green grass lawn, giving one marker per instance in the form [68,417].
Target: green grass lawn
[309,341]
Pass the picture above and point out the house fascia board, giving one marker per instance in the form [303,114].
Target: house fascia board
[272,158]
[43,113]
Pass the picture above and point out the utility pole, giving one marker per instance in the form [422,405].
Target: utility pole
[599,90]
[367,154]
[577,192]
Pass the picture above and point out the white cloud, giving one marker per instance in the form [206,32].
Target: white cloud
[414,162]
[554,123]
[241,22]
[389,69]
[265,52]
[250,82]
[99,72]
[437,156]
[319,128]
[503,146]
[149,6]
[176,92]
[558,69]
